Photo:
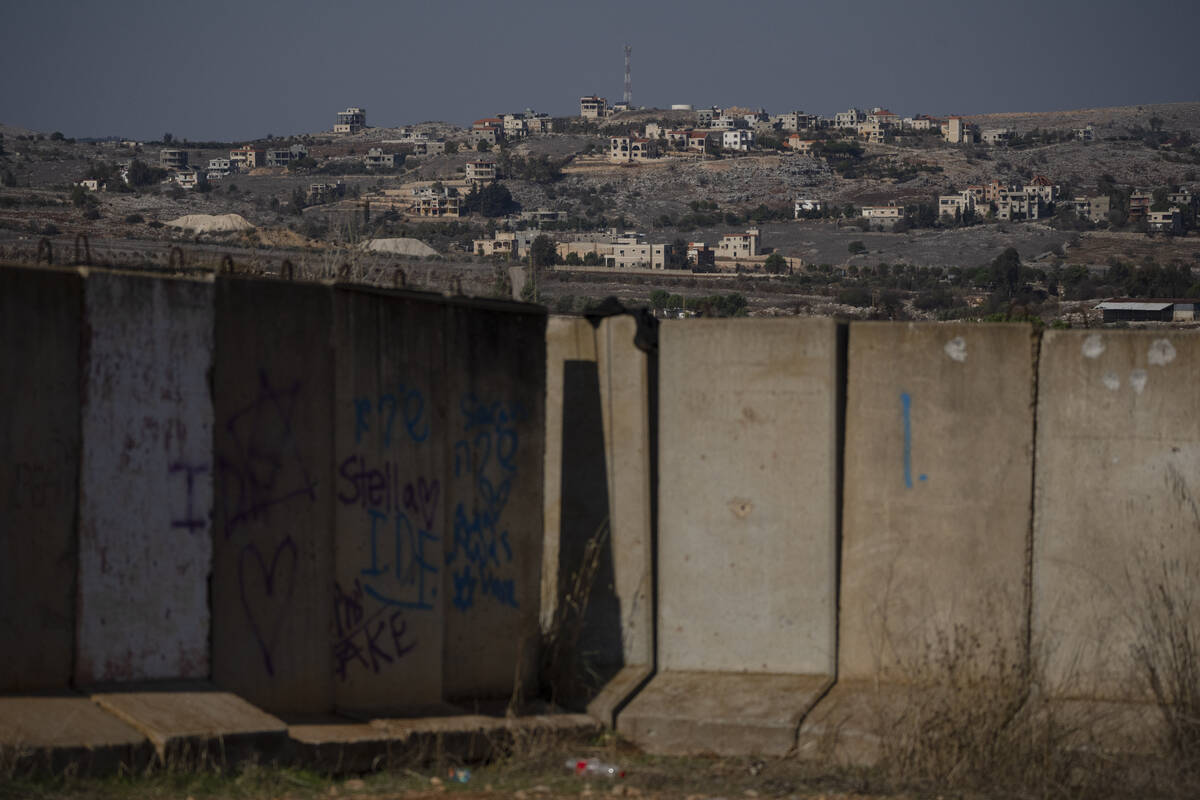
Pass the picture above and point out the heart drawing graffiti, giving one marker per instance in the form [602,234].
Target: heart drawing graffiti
[267,593]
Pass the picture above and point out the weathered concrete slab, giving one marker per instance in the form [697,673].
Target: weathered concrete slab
[195,723]
[568,339]
[1118,455]
[274,494]
[627,393]
[40,315]
[937,514]
[748,465]
[747,495]
[145,497]
[727,713]
[53,733]
[495,379]
[390,487]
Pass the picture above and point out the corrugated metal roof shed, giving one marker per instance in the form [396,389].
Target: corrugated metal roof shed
[1111,306]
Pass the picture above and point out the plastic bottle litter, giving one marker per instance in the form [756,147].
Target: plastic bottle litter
[459,775]
[594,766]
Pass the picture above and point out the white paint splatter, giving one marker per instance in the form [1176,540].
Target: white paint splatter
[1137,379]
[1093,346]
[956,348]
[1161,352]
[1111,381]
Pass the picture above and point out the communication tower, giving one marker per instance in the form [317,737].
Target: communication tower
[628,98]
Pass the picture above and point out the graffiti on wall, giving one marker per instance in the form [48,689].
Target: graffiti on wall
[261,472]
[486,456]
[906,414]
[400,519]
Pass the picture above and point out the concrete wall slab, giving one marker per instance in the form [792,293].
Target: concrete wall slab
[748,495]
[937,514]
[1118,460]
[40,315]
[390,412]
[495,382]
[272,599]
[145,482]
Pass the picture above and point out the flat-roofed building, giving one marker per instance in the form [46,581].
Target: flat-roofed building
[593,107]
[352,120]
[247,157]
[480,171]
[739,245]
[172,158]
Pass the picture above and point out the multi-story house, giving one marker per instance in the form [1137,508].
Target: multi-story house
[1169,221]
[957,130]
[377,159]
[739,140]
[428,202]
[1017,204]
[1139,205]
[954,205]
[1045,189]
[593,107]
[697,140]
[278,158]
[219,168]
[739,245]
[352,120]
[247,157]
[849,119]
[480,171]
[172,158]
[883,216]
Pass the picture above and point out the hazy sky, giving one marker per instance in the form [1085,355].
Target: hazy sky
[242,69]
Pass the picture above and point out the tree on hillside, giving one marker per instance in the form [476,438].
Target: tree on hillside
[542,251]
[775,264]
[1006,272]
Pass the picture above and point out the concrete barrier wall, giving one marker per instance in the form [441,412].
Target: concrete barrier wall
[145,495]
[747,535]
[937,514]
[598,502]
[1118,466]
[495,383]
[568,339]
[390,422]
[625,391]
[40,314]
[274,494]
[748,503]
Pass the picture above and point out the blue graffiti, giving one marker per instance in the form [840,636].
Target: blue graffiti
[906,406]
[406,406]
[411,566]
[486,455]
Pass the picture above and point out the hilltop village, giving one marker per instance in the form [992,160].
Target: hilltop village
[864,212]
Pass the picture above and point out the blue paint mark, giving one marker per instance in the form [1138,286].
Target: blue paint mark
[923,478]
[906,404]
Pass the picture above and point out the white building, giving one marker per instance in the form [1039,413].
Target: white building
[741,140]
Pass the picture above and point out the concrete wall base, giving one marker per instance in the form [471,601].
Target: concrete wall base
[194,724]
[49,733]
[729,714]
[617,693]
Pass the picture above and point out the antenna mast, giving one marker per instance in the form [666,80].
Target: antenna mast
[628,78]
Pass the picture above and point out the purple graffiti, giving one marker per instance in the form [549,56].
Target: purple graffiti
[266,592]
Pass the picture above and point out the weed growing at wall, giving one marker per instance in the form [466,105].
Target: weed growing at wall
[1167,657]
